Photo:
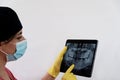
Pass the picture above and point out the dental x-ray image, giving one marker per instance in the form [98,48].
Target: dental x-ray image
[81,53]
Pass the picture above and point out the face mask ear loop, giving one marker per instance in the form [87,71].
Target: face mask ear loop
[3,52]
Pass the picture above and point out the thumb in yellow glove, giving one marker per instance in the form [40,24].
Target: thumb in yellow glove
[55,68]
[68,75]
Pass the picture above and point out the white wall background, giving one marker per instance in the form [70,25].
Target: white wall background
[47,25]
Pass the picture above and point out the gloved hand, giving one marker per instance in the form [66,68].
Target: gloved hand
[68,75]
[55,68]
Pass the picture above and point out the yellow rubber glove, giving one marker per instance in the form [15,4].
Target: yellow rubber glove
[55,68]
[68,75]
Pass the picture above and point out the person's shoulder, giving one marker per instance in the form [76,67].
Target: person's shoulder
[10,74]
[7,70]
[1,79]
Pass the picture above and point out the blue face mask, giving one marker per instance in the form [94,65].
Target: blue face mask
[20,50]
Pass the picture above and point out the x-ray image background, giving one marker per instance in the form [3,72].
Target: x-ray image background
[81,55]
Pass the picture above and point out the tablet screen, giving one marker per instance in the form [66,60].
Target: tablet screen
[81,53]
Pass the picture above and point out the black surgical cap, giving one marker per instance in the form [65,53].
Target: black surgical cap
[9,23]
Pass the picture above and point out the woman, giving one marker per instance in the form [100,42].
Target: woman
[13,46]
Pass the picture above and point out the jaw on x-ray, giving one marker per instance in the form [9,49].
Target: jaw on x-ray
[80,55]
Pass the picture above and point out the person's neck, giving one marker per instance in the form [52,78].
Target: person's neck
[3,73]
[2,59]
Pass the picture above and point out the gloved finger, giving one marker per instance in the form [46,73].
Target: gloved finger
[70,68]
[63,52]
[72,77]
[55,68]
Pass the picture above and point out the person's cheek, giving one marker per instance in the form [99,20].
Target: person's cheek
[11,49]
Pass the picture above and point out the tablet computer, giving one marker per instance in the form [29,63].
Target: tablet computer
[81,53]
